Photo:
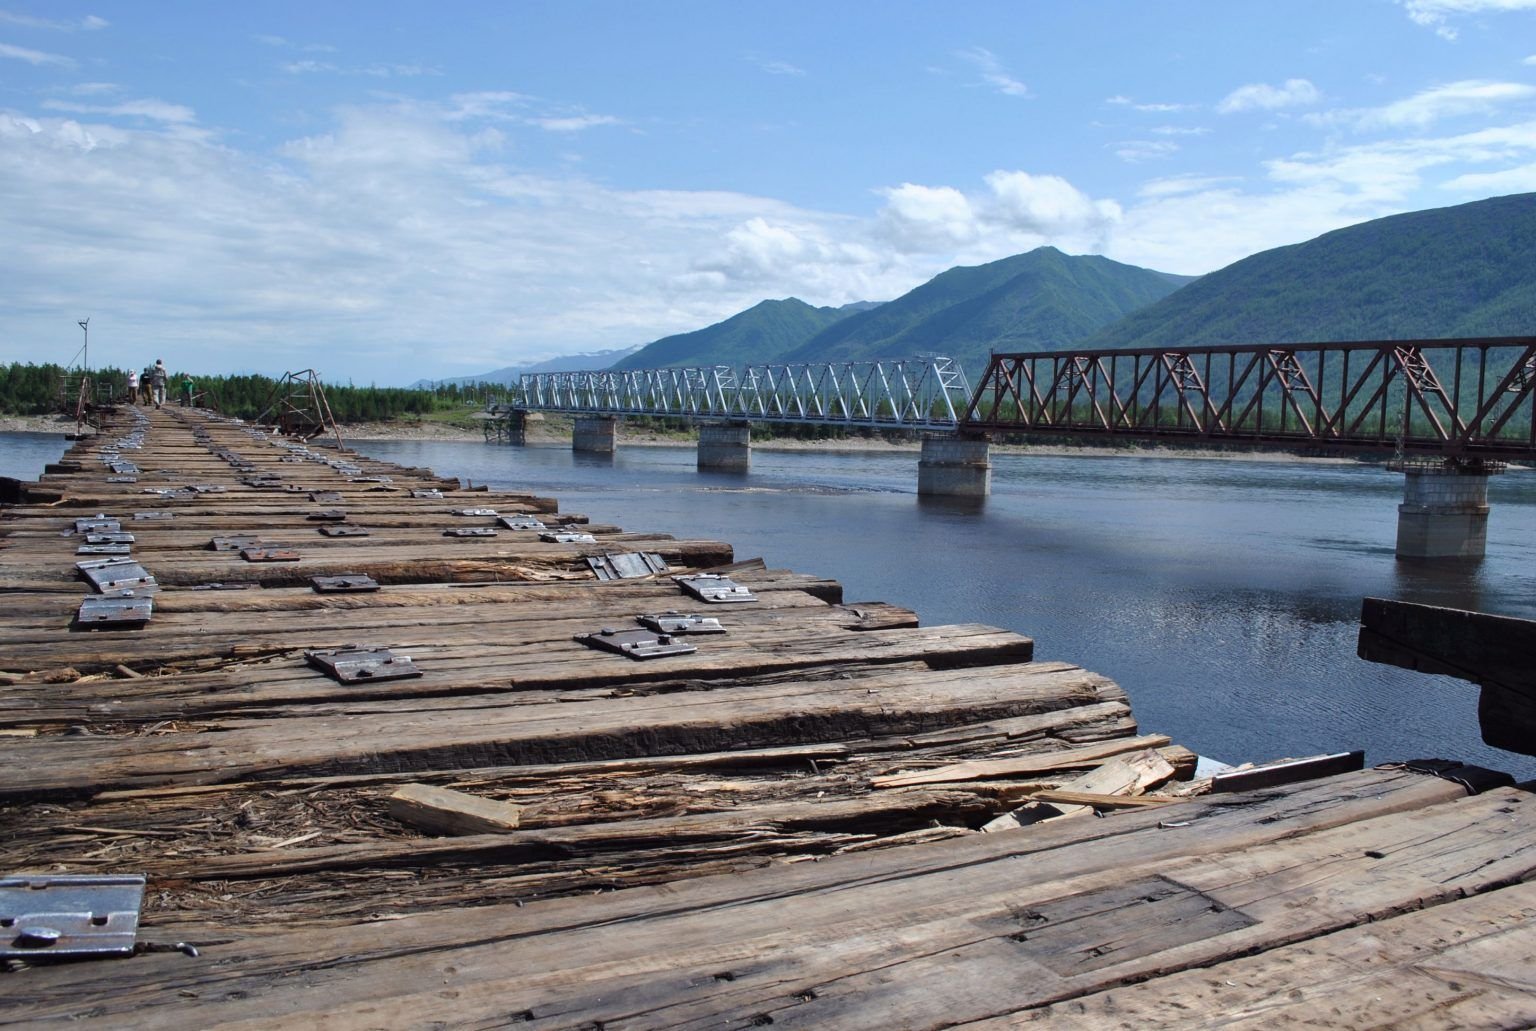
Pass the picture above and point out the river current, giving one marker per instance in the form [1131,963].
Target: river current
[1224,596]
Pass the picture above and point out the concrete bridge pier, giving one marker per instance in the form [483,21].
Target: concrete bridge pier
[594,433]
[1444,513]
[955,467]
[726,446]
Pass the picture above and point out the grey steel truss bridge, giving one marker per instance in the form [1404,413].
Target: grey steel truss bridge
[1464,399]
[924,393]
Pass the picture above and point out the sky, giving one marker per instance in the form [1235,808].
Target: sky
[396,191]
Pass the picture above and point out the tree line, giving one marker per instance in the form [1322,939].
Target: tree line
[29,389]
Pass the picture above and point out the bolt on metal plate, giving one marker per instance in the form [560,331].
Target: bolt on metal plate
[431,495]
[100,524]
[354,664]
[626,565]
[269,555]
[146,516]
[207,488]
[69,915]
[474,512]
[636,644]
[122,479]
[343,530]
[101,613]
[235,542]
[109,538]
[328,515]
[345,583]
[470,531]
[674,622]
[224,587]
[567,537]
[521,522]
[325,497]
[715,589]
[110,575]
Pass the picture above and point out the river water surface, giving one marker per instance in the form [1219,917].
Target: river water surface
[1224,596]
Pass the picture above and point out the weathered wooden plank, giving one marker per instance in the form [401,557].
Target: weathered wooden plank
[445,811]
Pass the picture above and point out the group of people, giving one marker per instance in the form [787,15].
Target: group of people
[148,387]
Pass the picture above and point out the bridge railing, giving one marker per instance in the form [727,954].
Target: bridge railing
[927,392]
[1465,398]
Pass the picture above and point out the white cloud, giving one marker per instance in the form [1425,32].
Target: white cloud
[780,68]
[88,23]
[155,110]
[1136,151]
[1489,184]
[35,57]
[1264,97]
[1471,96]
[1180,130]
[573,123]
[1436,14]
[1048,205]
[1160,108]
[920,218]
[992,71]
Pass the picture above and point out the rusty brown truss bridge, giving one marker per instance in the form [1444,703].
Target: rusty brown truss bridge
[1459,399]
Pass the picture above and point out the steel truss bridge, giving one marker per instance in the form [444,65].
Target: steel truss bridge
[1465,399]
[925,393]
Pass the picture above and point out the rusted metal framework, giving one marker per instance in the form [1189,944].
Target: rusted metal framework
[298,407]
[1466,399]
[923,393]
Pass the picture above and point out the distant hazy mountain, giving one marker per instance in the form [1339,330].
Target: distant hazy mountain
[761,333]
[1038,301]
[563,363]
[1468,270]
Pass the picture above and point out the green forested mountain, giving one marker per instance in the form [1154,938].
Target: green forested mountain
[1468,270]
[1037,301]
[761,333]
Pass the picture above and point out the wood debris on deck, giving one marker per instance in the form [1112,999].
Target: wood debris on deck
[837,759]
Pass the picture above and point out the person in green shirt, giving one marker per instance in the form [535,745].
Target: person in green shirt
[186,391]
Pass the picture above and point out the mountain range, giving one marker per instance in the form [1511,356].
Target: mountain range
[1467,270]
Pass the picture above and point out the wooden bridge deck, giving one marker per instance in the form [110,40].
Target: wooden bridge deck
[793,810]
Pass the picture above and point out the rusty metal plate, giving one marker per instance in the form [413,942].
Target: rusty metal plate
[113,537]
[234,542]
[715,589]
[103,549]
[69,915]
[328,515]
[345,583]
[567,537]
[522,522]
[343,530]
[269,555]
[102,613]
[470,531]
[474,512]
[636,644]
[626,565]
[110,575]
[357,664]
[325,497]
[680,623]
[98,524]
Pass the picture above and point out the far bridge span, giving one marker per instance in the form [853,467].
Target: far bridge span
[1449,412]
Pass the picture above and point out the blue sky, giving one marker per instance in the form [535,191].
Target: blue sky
[393,191]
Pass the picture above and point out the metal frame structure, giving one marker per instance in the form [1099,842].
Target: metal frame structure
[297,407]
[1465,400]
[923,393]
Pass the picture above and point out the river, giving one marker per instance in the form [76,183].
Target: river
[1222,595]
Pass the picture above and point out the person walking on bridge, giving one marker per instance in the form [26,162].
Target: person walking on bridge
[157,378]
[133,386]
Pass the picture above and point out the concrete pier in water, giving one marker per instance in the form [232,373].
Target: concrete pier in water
[1444,513]
[955,467]
[594,433]
[725,446]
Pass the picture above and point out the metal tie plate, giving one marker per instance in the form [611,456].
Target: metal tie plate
[343,530]
[69,915]
[626,565]
[715,589]
[345,583]
[354,664]
[144,516]
[521,522]
[431,495]
[636,644]
[234,542]
[207,488]
[122,479]
[99,524]
[325,497]
[567,537]
[103,549]
[674,622]
[269,555]
[100,613]
[109,575]
[365,479]
[112,537]
[217,586]
[474,512]
[470,531]
[328,515]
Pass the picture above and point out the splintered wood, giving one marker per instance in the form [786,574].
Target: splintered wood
[347,847]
